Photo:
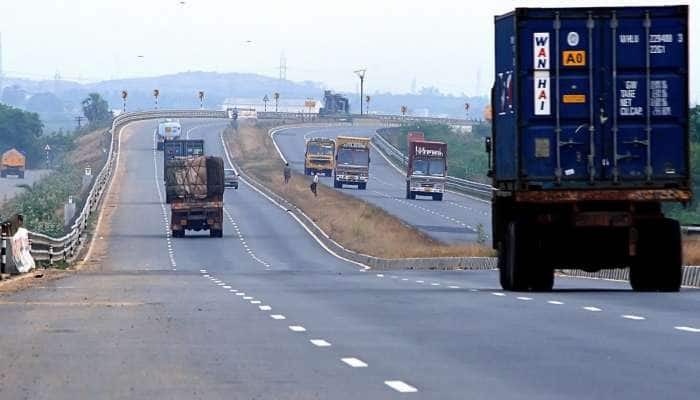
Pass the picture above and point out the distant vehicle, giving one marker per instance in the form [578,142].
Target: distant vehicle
[167,130]
[196,189]
[13,163]
[319,156]
[180,149]
[334,104]
[590,136]
[427,167]
[230,178]
[351,162]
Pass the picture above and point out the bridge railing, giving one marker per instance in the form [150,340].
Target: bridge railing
[67,247]
[379,117]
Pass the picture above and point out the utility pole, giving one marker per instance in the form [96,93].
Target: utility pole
[367,99]
[277,98]
[79,120]
[265,100]
[125,94]
[361,74]
[201,99]
[156,93]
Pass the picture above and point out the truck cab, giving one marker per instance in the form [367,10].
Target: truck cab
[168,129]
[319,156]
[351,162]
[426,171]
[13,163]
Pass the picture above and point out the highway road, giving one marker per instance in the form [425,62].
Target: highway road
[266,313]
[9,186]
[454,220]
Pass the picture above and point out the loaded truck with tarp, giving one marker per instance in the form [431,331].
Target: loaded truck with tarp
[195,187]
[426,170]
[351,162]
[319,156]
[590,137]
[13,163]
[167,130]
[180,149]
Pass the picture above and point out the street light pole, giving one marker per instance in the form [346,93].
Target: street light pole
[125,94]
[156,93]
[265,100]
[277,98]
[361,73]
[201,99]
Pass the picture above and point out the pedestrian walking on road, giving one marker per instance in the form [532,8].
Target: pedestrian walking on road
[287,173]
[314,184]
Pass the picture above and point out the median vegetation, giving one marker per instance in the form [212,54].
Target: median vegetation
[355,224]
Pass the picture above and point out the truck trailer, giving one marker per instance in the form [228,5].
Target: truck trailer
[319,156]
[351,162]
[590,137]
[426,171]
[180,149]
[196,189]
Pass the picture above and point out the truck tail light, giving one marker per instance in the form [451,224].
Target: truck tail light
[183,222]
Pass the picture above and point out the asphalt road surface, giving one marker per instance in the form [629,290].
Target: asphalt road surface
[454,220]
[266,313]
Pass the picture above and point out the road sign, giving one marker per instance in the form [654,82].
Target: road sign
[47,147]
[310,103]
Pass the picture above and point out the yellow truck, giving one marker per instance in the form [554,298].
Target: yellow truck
[351,162]
[319,156]
[13,163]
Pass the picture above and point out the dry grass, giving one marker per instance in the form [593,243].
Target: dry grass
[355,224]
[88,151]
[691,252]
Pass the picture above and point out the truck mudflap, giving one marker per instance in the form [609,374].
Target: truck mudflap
[565,196]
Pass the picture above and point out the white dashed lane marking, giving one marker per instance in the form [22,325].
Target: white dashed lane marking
[555,302]
[401,386]
[297,328]
[594,309]
[265,308]
[354,362]
[278,316]
[498,294]
[524,298]
[687,329]
[633,317]
[320,343]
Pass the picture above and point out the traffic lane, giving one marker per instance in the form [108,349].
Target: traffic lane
[166,336]
[433,218]
[442,340]
[612,298]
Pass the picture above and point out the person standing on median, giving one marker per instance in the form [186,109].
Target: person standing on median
[314,184]
[287,173]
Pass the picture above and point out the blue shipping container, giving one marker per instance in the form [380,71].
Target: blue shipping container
[591,98]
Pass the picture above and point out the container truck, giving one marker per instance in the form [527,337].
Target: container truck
[180,149]
[590,137]
[351,162]
[319,156]
[13,163]
[167,130]
[426,171]
[196,189]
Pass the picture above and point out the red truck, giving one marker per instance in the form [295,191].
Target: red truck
[426,171]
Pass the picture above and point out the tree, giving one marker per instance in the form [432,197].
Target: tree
[96,109]
[694,119]
[21,130]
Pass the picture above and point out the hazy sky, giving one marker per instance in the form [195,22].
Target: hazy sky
[442,43]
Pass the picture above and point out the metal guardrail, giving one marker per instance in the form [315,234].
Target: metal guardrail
[463,185]
[380,117]
[67,247]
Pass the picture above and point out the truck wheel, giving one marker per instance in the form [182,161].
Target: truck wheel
[658,265]
[21,175]
[159,146]
[306,171]
[3,174]
[178,233]
[362,186]
[542,278]
[517,257]
[337,184]
[408,191]
[502,273]
[216,233]
[437,196]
